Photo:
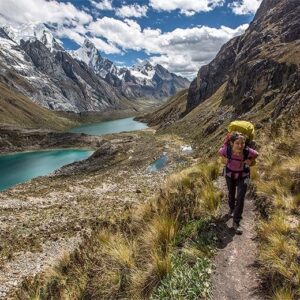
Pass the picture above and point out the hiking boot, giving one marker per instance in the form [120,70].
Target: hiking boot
[237,228]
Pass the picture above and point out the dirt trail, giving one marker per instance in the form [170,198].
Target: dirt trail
[235,277]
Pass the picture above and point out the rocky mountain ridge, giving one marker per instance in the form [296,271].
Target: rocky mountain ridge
[35,64]
[54,79]
[262,65]
[255,76]
[142,80]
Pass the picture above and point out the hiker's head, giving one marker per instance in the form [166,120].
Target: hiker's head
[237,141]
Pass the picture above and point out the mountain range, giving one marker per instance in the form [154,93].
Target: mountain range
[35,64]
[141,81]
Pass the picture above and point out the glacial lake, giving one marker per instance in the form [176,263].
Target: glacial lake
[20,167]
[114,126]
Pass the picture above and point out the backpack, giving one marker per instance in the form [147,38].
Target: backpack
[244,127]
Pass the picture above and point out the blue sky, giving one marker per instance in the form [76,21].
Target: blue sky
[181,35]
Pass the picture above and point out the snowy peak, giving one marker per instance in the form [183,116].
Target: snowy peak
[32,32]
[49,41]
[87,53]
[87,44]
[143,70]
[143,66]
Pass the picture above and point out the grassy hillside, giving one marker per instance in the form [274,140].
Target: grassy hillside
[206,125]
[17,109]
[158,249]
[167,113]
[277,188]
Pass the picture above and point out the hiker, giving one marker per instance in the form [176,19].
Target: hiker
[238,159]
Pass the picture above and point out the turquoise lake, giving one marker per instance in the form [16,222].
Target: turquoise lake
[20,167]
[106,127]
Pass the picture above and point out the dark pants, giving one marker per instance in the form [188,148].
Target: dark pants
[236,202]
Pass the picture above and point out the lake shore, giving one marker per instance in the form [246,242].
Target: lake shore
[15,139]
[61,208]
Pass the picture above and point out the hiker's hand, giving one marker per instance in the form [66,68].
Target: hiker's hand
[248,162]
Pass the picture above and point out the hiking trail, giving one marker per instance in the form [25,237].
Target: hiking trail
[235,276]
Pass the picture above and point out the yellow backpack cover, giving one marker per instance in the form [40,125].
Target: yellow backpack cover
[244,127]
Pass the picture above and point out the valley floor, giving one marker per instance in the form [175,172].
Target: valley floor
[45,218]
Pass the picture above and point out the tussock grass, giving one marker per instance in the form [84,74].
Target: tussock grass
[210,200]
[146,280]
[271,188]
[120,251]
[186,282]
[287,202]
[277,223]
[277,188]
[130,255]
[283,293]
[160,234]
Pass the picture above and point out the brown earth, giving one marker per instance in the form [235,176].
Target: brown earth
[235,276]
[44,219]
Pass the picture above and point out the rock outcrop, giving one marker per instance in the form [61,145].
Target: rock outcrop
[261,66]
[210,77]
[13,139]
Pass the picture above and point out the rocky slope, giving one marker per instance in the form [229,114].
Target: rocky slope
[258,74]
[18,110]
[141,81]
[52,78]
[261,66]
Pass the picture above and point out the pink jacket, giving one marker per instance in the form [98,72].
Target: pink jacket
[236,163]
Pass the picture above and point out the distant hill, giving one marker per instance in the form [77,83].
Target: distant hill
[16,109]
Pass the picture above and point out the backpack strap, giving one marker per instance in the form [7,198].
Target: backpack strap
[229,152]
[246,153]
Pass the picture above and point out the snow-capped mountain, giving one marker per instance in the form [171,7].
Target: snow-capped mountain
[51,77]
[89,54]
[143,71]
[32,32]
[142,80]
[34,63]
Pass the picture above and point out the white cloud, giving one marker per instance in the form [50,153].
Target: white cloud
[181,50]
[41,11]
[70,33]
[244,7]
[105,47]
[187,13]
[135,10]
[103,4]
[78,35]
[187,7]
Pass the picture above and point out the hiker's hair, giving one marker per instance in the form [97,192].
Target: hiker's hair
[236,136]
